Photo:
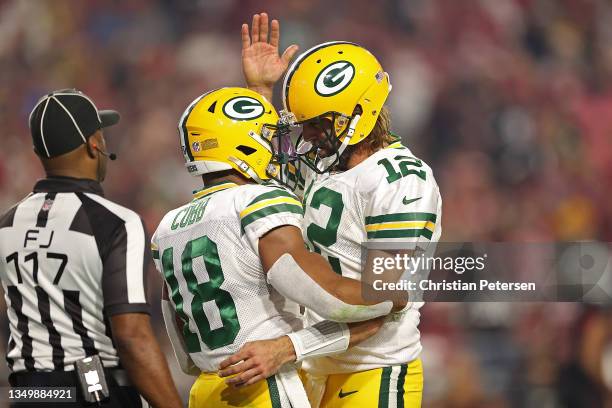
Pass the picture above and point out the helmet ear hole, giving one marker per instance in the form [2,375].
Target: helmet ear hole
[246,150]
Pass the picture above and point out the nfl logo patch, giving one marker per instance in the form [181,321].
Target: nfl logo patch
[47,205]
[195,146]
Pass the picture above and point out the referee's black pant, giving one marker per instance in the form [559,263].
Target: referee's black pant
[122,393]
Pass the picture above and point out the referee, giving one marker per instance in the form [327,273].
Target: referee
[72,265]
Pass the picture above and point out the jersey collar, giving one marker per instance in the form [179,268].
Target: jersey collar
[395,145]
[213,188]
[60,184]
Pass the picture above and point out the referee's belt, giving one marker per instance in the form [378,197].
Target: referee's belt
[114,376]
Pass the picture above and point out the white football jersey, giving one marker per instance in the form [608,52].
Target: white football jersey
[391,196]
[207,252]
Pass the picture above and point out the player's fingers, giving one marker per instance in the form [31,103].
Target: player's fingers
[289,53]
[236,369]
[231,360]
[255,29]
[255,379]
[274,33]
[263,27]
[246,39]
[240,380]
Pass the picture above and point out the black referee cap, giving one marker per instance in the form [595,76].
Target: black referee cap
[63,120]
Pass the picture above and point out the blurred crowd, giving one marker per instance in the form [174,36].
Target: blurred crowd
[509,101]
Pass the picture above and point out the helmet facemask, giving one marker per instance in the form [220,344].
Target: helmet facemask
[327,154]
[283,167]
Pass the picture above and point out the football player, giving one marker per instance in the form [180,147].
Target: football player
[234,260]
[362,185]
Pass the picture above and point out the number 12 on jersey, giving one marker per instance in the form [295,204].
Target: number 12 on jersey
[202,292]
[404,163]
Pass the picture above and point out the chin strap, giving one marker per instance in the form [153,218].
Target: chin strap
[325,163]
[246,168]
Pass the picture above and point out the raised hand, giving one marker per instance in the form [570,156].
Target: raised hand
[261,63]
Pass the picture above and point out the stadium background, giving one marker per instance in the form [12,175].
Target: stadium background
[509,100]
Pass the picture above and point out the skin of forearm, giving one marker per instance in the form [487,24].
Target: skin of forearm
[147,368]
[364,330]
[288,240]
[391,275]
[263,90]
[287,352]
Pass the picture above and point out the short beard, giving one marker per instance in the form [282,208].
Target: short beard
[344,158]
[342,164]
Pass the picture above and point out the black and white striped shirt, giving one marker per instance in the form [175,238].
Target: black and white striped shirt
[69,259]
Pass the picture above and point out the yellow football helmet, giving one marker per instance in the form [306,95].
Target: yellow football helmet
[230,128]
[340,81]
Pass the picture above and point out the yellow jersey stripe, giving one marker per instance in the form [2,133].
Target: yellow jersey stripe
[395,145]
[213,189]
[400,225]
[265,203]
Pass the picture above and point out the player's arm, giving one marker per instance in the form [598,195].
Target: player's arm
[261,63]
[382,267]
[306,278]
[174,327]
[258,360]
[143,360]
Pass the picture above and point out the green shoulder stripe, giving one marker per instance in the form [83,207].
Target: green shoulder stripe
[269,210]
[416,216]
[155,253]
[400,233]
[277,192]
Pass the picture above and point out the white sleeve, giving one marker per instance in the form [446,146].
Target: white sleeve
[288,278]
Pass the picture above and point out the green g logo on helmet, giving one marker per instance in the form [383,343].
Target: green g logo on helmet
[243,108]
[334,78]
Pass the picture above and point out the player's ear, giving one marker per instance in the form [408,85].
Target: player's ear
[92,144]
